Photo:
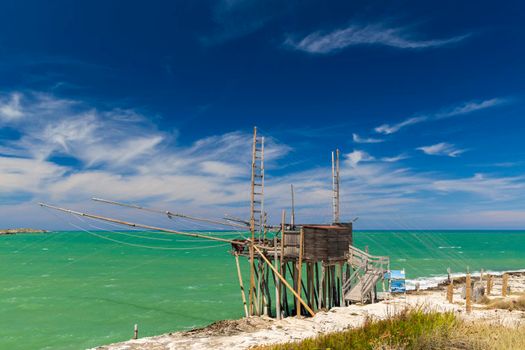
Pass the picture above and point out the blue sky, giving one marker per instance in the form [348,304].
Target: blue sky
[155,102]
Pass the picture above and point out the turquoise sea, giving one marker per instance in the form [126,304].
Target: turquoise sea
[74,290]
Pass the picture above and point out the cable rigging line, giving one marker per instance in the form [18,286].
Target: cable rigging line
[144,246]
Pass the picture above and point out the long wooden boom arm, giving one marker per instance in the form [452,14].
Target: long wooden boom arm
[169,213]
[132,224]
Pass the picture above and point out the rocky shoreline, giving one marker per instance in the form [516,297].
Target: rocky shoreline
[14,231]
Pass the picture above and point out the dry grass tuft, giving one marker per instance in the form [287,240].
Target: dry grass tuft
[506,303]
[416,330]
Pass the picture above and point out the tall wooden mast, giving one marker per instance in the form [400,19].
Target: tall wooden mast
[335,187]
[257,214]
[292,218]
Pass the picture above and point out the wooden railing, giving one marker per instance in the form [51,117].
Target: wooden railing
[368,269]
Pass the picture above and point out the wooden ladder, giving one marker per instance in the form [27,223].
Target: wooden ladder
[257,213]
[257,302]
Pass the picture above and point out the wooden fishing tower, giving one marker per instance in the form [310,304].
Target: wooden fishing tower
[312,266]
[294,269]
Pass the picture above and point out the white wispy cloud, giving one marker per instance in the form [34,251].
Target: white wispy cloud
[322,42]
[357,139]
[394,159]
[461,109]
[356,156]
[121,155]
[442,149]
[497,188]
[469,107]
[388,129]
[10,108]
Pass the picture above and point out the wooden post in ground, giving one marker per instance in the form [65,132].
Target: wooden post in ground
[136,331]
[468,294]
[489,284]
[241,284]
[504,284]
[450,291]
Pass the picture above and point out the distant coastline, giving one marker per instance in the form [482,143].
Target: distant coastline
[14,231]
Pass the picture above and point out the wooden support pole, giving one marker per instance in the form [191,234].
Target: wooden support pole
[243,295]
[281,264]
[300,268]
[283,224]
[136,331]
[310,311]
[504,284]
[468,294]
[293,271]
[311,289]
[316,286]
[489,284]
[322,289]
[284,292]
[255,310]
[292,214]
[340,284]
[329,286]
[266,293]
[259,284]
[276,281]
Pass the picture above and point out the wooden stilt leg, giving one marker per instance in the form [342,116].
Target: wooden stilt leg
[300,269]
[240,283]
[284,291]
[277,282]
